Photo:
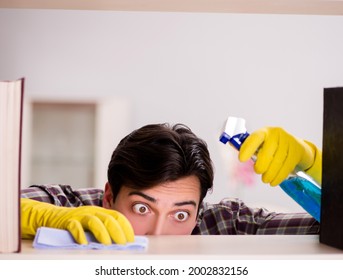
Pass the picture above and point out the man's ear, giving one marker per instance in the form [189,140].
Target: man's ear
[107,200]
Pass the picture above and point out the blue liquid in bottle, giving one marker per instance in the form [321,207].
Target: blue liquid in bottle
[305,193]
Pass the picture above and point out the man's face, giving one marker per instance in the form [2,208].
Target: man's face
[167,209]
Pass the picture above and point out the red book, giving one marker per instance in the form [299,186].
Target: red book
[11,112]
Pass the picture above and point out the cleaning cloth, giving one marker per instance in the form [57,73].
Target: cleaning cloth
[62,239]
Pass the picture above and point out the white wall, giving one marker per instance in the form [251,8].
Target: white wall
[180,67]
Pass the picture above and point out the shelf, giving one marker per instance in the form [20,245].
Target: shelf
[310,7]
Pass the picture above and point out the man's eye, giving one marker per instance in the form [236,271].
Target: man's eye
[140,208]
[181,216]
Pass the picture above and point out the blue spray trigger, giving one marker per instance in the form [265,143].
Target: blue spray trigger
[234,132]
[224,138]
[236,140]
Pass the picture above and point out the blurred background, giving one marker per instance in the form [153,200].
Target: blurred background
[94,76]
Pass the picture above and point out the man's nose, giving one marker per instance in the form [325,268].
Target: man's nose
[159,227]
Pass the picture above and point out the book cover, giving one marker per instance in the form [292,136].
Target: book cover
[331,226]
[11,111]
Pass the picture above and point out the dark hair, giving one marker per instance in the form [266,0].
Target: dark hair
[158,153]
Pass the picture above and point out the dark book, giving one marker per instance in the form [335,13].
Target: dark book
[11,112]
[331,228]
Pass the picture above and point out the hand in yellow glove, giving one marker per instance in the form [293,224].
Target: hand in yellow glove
[278,153]
[106,225]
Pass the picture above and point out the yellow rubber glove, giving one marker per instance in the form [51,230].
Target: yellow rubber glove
[278,153]
[106,225]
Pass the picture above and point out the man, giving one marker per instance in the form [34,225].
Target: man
[158,177]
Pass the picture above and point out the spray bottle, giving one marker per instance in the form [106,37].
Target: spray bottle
[303,190]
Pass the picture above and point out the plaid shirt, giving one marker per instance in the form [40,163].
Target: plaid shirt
[229,217]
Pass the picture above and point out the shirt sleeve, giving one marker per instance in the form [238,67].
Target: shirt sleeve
[232,217]
[292,223]
[63,195]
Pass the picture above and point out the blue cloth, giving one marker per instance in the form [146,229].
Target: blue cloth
[59,238]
